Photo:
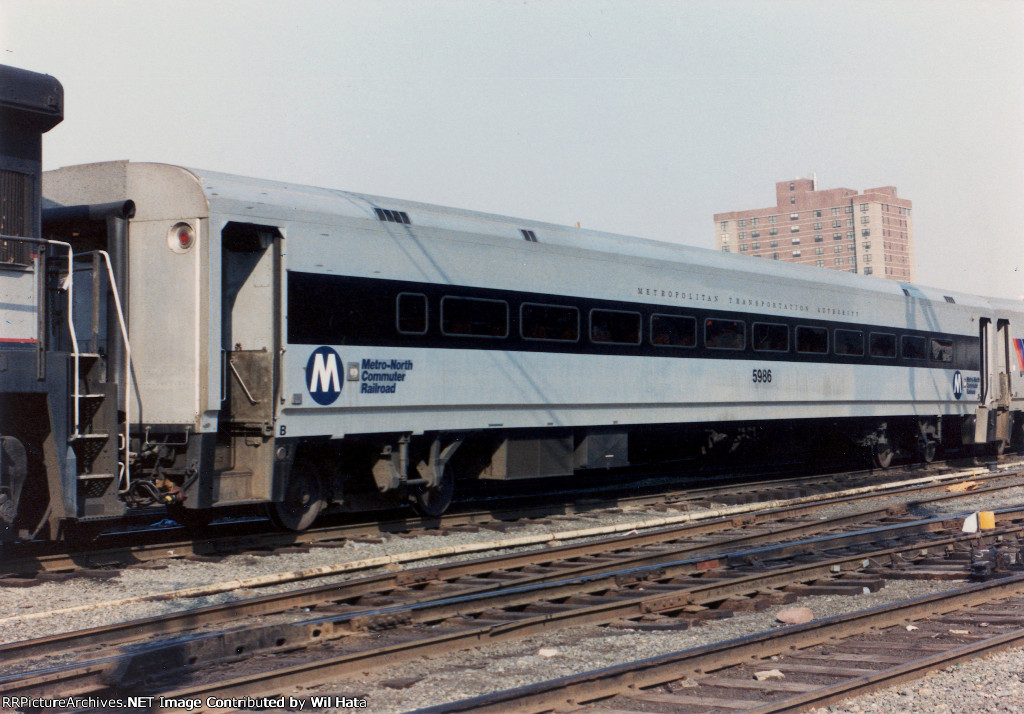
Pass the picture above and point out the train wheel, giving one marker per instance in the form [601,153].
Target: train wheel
[304,498]
[882,454]
[926,451]
[434,501]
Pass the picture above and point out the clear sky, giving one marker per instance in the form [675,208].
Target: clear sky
[643,118]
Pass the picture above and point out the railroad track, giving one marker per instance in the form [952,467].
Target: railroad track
[794,669]
[32,563]
[661,575]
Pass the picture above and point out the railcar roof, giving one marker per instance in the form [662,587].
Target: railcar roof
[232,191]
[229,194]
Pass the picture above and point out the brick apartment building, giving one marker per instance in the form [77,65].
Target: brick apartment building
[870,233]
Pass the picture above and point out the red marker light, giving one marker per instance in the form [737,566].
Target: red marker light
[181,237]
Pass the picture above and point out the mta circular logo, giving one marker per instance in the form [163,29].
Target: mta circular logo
[323,375]
[958,384]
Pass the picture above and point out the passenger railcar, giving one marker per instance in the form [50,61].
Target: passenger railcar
[204,340]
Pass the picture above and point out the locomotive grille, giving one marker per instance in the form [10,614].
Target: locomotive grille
[15,216]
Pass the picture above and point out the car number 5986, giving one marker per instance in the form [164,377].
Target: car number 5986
[762,376]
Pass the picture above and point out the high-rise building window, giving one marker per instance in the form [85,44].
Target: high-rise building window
[869,271]
[863,208]
[796,254]
[865,220]
[817,226]
[820,263]
[819,250]
[796,241]
[837,224]
[838,249]
[743,247]
[775,256]
[794,229]
[755,245]
[837,236]
[772,219]
[773,231]
[866,245]
[743,235]
[792,186]
[818,238]
[865,233]
[743,223]
[755,234]
[835,211]
[793,216]
[849,222]
[753,221]
[725,225]
[792,200]
[848,209]
[839,261]
[773,244]
[849,234]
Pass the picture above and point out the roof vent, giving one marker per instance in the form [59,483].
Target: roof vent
[949,299]
[529,235]
[912,291]
[386,214]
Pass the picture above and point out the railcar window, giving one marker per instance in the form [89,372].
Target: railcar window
[673,331]
[725,334]
[882,344]
[553,323]
[770,337]
[326,310]
[850,343]
[412,313]
[615,327]
[474,317]
[914,347]
[812,340]
[942,350]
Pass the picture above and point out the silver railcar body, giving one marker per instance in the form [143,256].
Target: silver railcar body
[288,320]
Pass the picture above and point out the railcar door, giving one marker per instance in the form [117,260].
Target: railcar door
[250,306]
[993,421]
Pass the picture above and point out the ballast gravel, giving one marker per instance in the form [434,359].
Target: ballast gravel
[516,664]
[995,683]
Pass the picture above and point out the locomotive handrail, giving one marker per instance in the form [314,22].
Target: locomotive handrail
[127,478]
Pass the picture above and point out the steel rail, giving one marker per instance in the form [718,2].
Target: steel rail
[132,669]
[174,623]
[575,692]
[355,665]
